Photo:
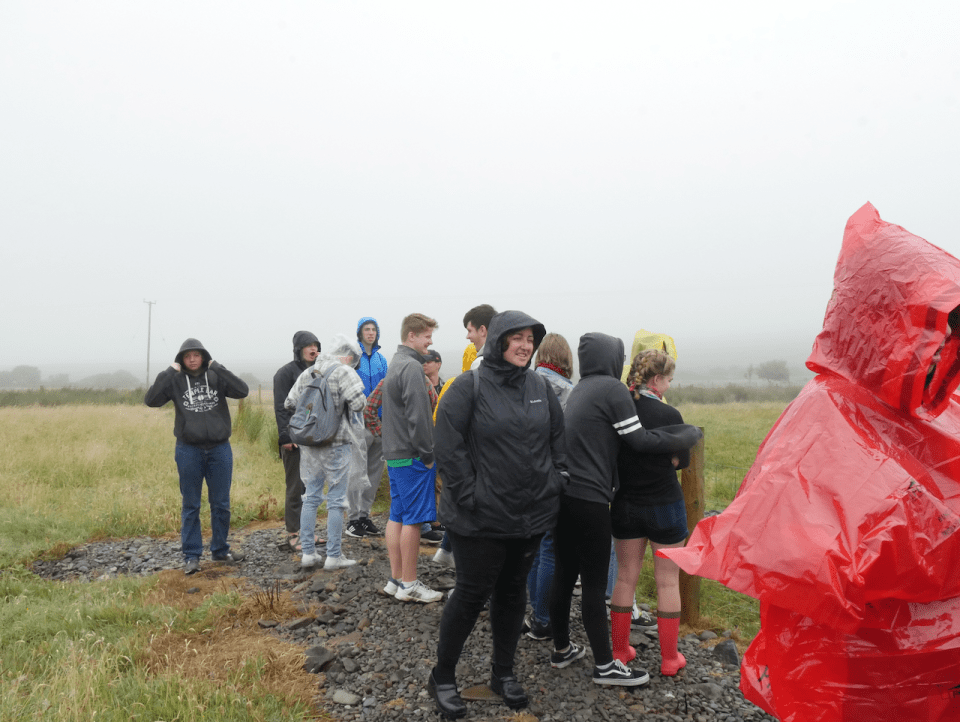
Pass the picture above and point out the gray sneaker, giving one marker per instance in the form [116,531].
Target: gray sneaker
[191,567]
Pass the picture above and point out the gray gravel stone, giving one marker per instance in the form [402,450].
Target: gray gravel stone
[371,649]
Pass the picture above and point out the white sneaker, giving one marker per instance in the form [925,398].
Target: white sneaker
[309,560]
[338,563]
[444,558]
[391,588]
[418,592]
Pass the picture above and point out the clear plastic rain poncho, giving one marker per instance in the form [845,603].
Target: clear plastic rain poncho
[346,351]
[846,526]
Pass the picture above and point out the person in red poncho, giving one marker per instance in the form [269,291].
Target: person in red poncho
[846,526]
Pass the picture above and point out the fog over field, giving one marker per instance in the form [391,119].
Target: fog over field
[252,169]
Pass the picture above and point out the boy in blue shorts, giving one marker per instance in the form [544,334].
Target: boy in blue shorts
[408,449]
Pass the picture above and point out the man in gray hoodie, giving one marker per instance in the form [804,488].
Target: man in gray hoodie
[408,448]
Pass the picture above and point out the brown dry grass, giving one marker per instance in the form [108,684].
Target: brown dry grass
[229,637]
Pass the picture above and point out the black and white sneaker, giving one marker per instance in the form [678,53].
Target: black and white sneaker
[355,529]
[644,621]
[539,632]
[559,660]
[369,527]
[619,674]
[431,537]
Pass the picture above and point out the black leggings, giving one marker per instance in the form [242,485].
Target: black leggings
[582,547]
[494,569]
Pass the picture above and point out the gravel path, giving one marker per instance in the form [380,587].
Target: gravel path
[373,653]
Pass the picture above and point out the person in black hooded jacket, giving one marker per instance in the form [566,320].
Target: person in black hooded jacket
[306,348]
[600,416]
[199,387]
[500,450]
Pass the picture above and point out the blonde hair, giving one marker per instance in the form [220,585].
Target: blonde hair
[646,365]
[415,323]
[555,350]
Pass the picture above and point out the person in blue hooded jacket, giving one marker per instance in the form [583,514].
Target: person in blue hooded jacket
[372,369]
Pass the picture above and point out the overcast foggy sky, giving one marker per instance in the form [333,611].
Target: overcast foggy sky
[258,168]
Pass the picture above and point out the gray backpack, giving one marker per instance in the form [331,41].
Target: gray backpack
[315,421]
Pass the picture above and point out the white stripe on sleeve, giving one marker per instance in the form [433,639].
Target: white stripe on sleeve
[628,426]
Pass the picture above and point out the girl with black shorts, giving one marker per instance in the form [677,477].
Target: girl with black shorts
[649,505]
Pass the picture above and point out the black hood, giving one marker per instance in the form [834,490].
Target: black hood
[302,339]
[503,324]
[600,355]
[192,344]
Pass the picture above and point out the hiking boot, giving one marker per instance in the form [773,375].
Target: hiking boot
[539,632]
[233,556]
[618,674]
[431,537]
[191,567]
[355,529]
[369,527]
[418,592]
[559,660]
[338,563]
[445,558]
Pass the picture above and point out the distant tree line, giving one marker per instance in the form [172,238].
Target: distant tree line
[769,371]
[29,377]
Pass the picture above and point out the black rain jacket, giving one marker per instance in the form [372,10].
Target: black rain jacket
[284,380]
[501,453]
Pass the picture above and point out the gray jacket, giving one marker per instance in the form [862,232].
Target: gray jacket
[407,418]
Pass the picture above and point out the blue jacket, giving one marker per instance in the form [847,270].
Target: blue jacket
[373,366]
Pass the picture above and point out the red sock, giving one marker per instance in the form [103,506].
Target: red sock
[620,633]
[669,629]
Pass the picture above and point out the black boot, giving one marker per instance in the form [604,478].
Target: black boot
[448,700]
[510,690]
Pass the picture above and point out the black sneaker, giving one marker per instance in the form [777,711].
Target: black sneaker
[618,674]
[369,527]
[539,632]
[233,556]
[355,529]
[431,537]
[559,660]
[644,621]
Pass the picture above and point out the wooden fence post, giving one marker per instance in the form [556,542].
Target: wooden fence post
[691,481]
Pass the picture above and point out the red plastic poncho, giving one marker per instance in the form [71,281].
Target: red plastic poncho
[846,525]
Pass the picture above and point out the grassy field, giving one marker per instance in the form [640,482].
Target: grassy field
[146,649]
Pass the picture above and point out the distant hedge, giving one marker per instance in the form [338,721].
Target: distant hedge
[731,393]
[62,397]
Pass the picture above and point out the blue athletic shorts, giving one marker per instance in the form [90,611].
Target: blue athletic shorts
[666,524]
[412,497]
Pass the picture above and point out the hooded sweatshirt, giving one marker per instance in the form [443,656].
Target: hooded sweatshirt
[373,366]
[202,417]
[346,390]
[500,450]
[846,526]
[600,415]
[284,379]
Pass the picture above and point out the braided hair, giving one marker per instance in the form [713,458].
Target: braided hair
[646,365]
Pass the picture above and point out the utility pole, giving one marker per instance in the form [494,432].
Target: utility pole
[149,318]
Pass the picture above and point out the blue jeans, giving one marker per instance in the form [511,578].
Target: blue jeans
[330,465]
[216,466]
[540,580]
